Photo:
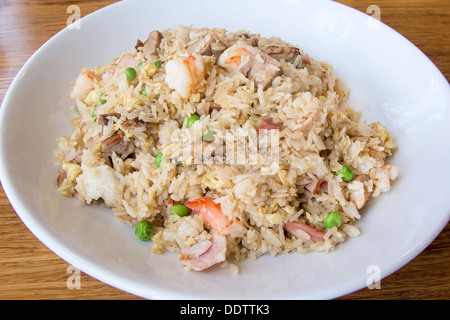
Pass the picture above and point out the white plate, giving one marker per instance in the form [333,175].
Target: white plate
[390,81]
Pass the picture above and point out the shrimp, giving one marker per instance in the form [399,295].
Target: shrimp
[358,191]
[251,62]
[212,212]
[237,57]
[206,253]
[382,178]
[83,84]
[186,75]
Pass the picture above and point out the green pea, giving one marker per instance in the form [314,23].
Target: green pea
[191,120]
[94,115]
[158,64]
[333,219]
[158,159]
[140,64]
[179,210]
[144,92]
[144,230]
[346,172]
[101,100]
[131,73]
[208,136]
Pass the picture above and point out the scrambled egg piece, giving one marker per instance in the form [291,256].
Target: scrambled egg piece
[130,102]
[157,247]
[152,89]
[100,70]
[189,241]
[252,192]
[271,170]
[275,218]
[339,115]
[385,137]
[273,213]
[215,181]
[91,98]
[323,99]
[282,174]
[72,170]
[147,72]
[196,97]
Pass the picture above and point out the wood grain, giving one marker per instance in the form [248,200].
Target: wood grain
[29,270]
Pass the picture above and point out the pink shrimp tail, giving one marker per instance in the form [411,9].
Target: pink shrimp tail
[212,212]
[197,204]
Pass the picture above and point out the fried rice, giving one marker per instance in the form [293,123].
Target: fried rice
[250,134]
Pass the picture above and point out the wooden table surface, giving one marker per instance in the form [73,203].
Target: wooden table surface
[29,270]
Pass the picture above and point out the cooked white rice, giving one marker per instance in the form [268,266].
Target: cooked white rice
[120,126]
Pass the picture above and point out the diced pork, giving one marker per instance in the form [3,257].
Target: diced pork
[297,228]
[289,54]
[251,62]
[152,43]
